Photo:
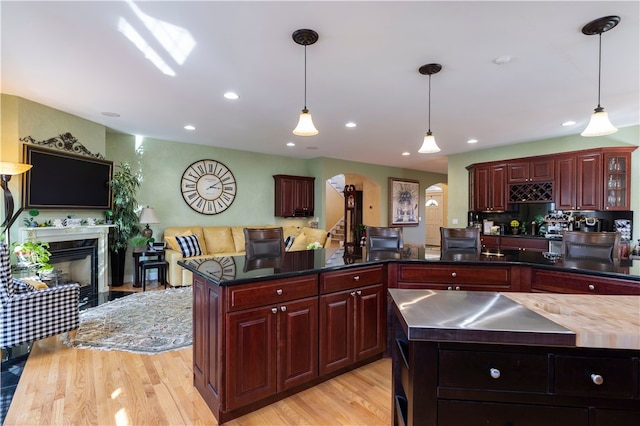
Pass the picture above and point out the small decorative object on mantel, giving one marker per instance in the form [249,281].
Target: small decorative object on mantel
[58,223]
[515,226]
[30,221]
[72,222]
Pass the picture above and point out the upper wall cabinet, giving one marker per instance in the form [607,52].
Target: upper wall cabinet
[538,170]
[594,179]
[488,187]
[294,196]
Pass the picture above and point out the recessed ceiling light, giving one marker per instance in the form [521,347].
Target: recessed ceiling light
[472,141]
[406,153]
[189,127]
[231,95]
[291,144]
[501,60]
[568,123]
[111,114]
[350,124]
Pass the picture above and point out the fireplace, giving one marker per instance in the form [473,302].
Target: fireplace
[75,261]
[75,237]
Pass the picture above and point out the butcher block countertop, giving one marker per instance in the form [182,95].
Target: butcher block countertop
[598,321]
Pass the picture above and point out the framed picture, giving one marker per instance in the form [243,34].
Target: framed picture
[404,197]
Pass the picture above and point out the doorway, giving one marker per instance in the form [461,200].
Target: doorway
[434,214]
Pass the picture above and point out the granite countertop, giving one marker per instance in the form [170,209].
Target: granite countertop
[592,321]
[322,260]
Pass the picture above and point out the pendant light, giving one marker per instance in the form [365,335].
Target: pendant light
[305,125]
[599,125]
[429,145]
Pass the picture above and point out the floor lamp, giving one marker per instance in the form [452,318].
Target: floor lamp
[6,171]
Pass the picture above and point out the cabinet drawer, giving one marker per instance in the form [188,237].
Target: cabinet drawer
[456,274]
[618,377]
[493,371]
[458,413]
[344,280]
[564,282]
[270,292]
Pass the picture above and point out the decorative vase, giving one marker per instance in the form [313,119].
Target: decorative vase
[515,231]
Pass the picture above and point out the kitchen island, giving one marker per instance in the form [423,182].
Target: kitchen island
[267,328]
[486,358]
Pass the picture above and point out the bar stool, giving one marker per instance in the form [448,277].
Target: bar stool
[160,265]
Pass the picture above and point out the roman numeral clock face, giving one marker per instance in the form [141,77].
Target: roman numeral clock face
[208,187]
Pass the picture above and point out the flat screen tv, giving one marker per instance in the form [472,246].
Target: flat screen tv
[60,180]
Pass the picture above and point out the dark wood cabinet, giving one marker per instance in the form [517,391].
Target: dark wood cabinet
[457,277]
[489,187]
[579,181]
[353,319]
[617,178]
[294,196]
[535,170]
[271,349]
[549,281]
[524,243]
[490,242]
[565,182]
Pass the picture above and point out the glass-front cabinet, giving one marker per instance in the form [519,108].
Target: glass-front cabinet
[617,179]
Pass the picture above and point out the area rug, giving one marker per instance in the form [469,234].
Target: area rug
[149,322]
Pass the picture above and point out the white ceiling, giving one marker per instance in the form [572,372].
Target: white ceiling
[364,68]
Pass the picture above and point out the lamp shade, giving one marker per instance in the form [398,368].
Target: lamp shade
[305,125]
[429,145]
[148,216]
[10,169]
[599,125]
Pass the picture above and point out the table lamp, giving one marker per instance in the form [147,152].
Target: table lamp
[147,215]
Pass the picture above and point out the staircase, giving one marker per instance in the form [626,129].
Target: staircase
[337,232]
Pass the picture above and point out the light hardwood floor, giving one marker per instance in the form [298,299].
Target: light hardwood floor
[62,385]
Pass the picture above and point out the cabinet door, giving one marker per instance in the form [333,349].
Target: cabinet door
[251,358]
[518,172]
[336,331]
[589,182]
[565,183]
[294,196]
[482,188]
[298,346]
[617,180]
[490,242]
[306,196]
[370,321]
[541,170]
[499,187]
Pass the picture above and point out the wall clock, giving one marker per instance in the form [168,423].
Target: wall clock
[208,187]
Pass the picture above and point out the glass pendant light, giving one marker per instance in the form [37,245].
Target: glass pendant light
[429,145]
[305,125]
[599,125]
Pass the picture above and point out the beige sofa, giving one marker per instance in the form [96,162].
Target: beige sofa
[220,241]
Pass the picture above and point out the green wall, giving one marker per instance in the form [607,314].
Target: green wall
[458,201]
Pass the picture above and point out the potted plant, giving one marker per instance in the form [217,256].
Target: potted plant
[139,243]
[515,226]
[124,187]
[33,254]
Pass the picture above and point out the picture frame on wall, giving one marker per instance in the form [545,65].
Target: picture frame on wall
[404,197]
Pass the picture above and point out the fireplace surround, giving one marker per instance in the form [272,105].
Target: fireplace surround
[64,234]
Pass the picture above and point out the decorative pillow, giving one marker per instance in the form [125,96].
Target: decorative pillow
[300,242]
[189,245]
[315,235]
[38,285]
[288,242]
[21,287]
[173,244]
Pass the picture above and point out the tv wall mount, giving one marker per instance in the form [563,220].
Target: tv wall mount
[64,142]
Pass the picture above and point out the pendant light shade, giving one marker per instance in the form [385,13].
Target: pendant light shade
[429,145]
[305,125]
[599,125]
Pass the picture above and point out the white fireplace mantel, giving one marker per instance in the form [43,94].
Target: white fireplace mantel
[51,234]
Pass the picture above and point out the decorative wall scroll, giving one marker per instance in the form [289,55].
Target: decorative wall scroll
[404,195]
[64,142]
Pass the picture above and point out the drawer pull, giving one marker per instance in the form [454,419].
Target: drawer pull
[495,373]
[453,274]
[597,379]
[591,287]
[458,287]
[353,294]
[274,310]
[279,292]
[359,292]
[283,308]
[449,288]
[356,278]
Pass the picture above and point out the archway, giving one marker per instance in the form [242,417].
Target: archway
[334,214]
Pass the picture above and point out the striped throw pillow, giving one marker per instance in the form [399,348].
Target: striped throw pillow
[189,245]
